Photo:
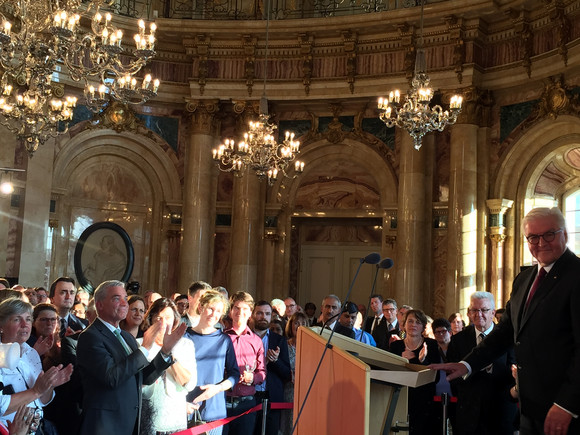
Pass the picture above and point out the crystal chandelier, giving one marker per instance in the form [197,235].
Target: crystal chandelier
[260,150]
[414,113]
[40,39]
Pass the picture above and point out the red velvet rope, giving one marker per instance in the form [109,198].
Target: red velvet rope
[217,423]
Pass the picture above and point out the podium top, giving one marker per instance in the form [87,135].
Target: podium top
[384,366]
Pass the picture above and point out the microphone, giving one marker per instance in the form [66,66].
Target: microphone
[372,258]
[386,263]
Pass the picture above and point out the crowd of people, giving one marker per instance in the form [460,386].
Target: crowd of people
[155,365]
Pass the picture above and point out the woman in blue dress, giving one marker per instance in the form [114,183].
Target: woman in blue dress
[217,368]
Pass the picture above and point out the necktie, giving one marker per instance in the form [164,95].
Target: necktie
[541,274]
[62,327]
[375,323]
[122,341]
[480,337]
[390,326]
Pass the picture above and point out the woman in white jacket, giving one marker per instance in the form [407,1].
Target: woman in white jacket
[164,409]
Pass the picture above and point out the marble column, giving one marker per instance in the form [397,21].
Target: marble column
[197,209]
[248,205]
[413,223]
[465,258]
[247,231]
[497,235]
[462,221]
[34,251]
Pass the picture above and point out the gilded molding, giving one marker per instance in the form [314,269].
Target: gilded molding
[203,116]
[555,100]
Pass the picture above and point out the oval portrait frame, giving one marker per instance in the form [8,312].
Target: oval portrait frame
[95,232]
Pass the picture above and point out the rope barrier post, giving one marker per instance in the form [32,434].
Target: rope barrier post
[264,414]
[445,403]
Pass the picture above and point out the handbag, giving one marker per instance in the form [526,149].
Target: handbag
[196,420]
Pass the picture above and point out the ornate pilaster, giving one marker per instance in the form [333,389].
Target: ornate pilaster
[562,28]
[497,236]
[197,210]
[350,49]
[526,38]
[249,42]
[306,42]
[455,28]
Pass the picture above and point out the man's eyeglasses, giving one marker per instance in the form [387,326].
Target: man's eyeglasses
[482,311]
[182,304]
[441,332]
[548,236]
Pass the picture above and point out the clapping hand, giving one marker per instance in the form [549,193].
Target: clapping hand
[170,338]
[423,352]
[43,344]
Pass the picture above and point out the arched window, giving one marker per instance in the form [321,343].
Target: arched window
[572,215]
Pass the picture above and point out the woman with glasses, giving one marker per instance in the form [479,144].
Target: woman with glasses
[135,316]
[15,327]
[419,350]
[164,408]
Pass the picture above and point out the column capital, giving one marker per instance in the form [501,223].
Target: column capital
[499,205]
[204,119]
[476,107]
[497,238]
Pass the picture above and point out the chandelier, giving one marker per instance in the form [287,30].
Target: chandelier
[414,113]
[41,39]
[260,150]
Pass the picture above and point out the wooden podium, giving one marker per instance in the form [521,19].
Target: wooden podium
[359,389]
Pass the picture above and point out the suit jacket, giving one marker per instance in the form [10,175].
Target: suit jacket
[381,334]
[279,372]
[484,404]
[65,409]
[545,339]
[76,323]
[112,380]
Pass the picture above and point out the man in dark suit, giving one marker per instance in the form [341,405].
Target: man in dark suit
[376,324]
[62,295]
[542,322]
[114,367]
[484,404]
[278,370]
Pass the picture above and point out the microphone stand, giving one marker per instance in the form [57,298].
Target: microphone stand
[369,304]
[373,258]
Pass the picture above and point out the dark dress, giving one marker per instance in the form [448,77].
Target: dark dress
[423,418]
